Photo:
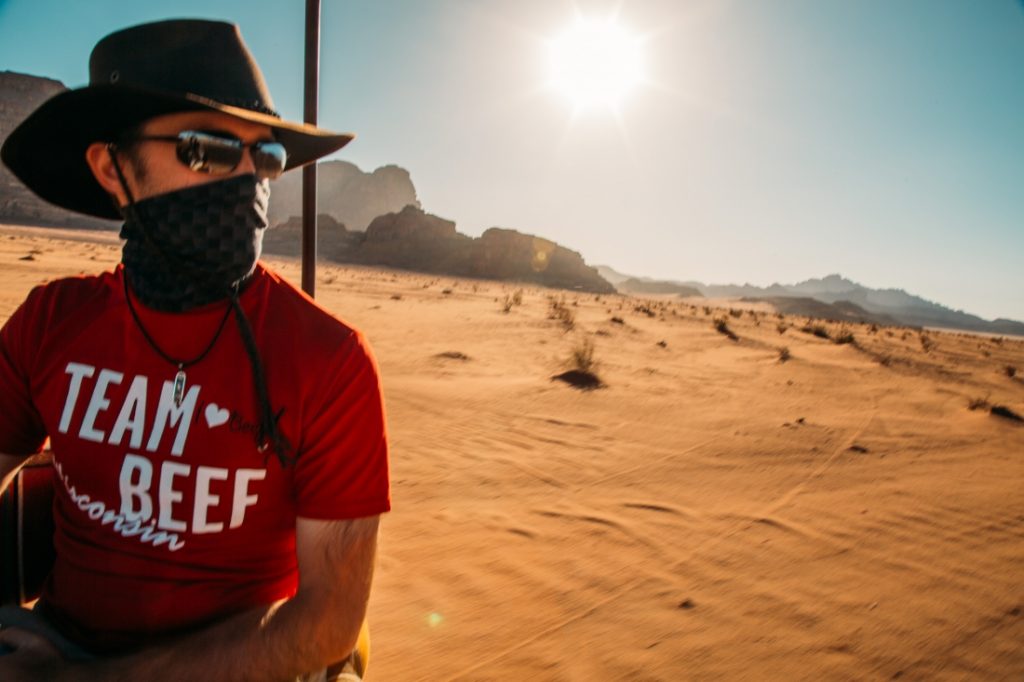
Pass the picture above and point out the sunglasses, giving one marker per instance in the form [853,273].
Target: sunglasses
[220,154]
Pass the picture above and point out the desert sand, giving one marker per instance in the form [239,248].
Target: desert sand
[712,512]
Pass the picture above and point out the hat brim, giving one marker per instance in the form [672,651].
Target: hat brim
[47,150]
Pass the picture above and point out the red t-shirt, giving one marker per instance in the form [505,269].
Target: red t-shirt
[167,516]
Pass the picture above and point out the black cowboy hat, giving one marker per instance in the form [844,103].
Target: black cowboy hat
[138,73]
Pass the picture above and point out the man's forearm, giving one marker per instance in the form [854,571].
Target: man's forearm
[317,627]
[277,643]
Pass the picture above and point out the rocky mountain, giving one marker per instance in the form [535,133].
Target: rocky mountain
[842,311]
[20,94]
[412,239]
[845,299]
[347,194]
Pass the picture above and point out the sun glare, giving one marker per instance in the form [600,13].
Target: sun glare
[595,63]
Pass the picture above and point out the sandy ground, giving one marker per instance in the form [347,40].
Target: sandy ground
[712,513]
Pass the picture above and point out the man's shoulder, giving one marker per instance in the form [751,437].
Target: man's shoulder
[74,293]
[293,312]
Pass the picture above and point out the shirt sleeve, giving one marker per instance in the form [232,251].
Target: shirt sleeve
[342,468]
[22,431]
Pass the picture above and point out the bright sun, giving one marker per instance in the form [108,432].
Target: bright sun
[595,63]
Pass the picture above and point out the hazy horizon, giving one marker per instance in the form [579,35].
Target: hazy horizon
[761,142]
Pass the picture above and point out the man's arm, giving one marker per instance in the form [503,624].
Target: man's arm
[317,627]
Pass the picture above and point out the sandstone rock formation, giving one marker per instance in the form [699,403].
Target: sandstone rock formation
[20,94]
[331,238]
[346,193]
[412,239]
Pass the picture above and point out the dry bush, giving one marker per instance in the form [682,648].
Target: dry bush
[784,354]
[582,364]
[722,327]
[819,330]
[781,327]
[978,403]
[517,297]
[582,355]
[735,313]
[927,344]
[844,336]
[557,310]
[1010,371]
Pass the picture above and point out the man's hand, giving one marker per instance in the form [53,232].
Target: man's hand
[27,656]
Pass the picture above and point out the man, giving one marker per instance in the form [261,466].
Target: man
[220,459]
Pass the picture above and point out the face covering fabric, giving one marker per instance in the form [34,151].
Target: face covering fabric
[192,246]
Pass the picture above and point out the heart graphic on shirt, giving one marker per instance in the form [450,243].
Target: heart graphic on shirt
[216,416]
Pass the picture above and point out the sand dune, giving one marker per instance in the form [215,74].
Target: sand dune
[713,513]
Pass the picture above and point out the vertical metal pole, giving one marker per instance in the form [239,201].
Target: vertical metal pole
[309,172]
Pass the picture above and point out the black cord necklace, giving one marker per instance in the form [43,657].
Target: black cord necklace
[179,378]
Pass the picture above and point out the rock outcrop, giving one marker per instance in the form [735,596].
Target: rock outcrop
[347,194]
[331,238]
[412,239]
[20,94]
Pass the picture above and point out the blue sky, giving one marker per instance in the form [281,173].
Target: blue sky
[772,140]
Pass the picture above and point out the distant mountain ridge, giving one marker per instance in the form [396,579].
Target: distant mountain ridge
[884,306]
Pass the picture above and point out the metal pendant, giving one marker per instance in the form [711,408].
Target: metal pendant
[179,386]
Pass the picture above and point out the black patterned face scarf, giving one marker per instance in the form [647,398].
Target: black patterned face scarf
[193,246]
[199,245]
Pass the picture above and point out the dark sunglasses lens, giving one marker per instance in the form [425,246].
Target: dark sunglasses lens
[209,153]
[269,159]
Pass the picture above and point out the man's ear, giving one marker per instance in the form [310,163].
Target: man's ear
[99,157]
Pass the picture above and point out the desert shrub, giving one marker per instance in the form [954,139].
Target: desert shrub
[844,336]
[978,403]
[1010,371]
[722,327]
[644,309]
[581,374]
[781,327]
[707,310]
[507,304]
[784,354]
[446,292]
[873,329]
[618,320]
[927,344]
[735,313]
[517,297]
[557,310]
[884,360]
[819,330]
[581,357]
